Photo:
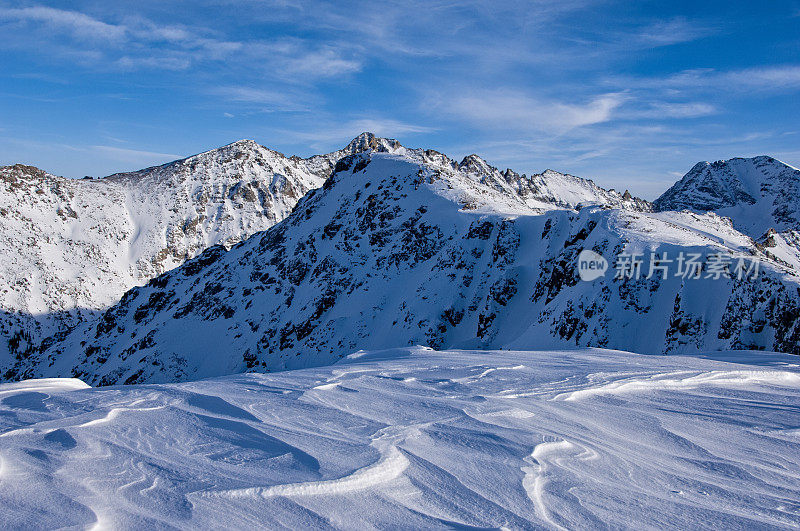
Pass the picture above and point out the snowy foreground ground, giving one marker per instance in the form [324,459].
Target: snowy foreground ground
[416,438]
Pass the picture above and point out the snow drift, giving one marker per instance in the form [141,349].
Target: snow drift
[414,438]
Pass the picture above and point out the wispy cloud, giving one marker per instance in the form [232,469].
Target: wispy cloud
[761,78]
[263,100]
[137,43]
[767,77]
[670,110]
[78,24]
[134,156]
[325,62]
[300,61]
[668,32]
[505,109]
[42,76]
[112,158]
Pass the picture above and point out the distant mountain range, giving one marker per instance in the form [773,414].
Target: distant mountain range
[242,259]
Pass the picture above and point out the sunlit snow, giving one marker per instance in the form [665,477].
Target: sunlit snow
[416,438]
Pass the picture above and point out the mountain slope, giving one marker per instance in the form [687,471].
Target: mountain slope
[413,438]
[134,226]
[543,191]
[79,245]
[390,252]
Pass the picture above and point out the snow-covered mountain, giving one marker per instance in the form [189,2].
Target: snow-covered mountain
[416,439]
[761,196]
[543,191]
[393,252]
[757,193]
[134,226]
[79,245]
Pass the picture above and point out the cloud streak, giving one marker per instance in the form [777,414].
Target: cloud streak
[328,134]
[669,32]
[134,156]
[138,43]
[78,24]
[263,100]
[504,109]
[771,78]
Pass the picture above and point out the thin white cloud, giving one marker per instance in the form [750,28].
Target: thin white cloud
[299,61]
[79,24]
[53,155]
[322,63]
[265,100]
[164,62]
[768,77]
[672,31]
[386,127]
[250,95]
[762,78]
[505,109]
[666,110]
[42,76]
[684,110]
[138,43]
[134,156]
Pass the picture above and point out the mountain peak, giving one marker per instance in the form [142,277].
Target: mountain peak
[244,143]
[474,162]
[741,188]
[22,170]
[367,141]
[243,146]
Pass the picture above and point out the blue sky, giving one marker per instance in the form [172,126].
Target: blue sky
[631,94]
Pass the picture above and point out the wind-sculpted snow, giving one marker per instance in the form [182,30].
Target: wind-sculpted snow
[414,438]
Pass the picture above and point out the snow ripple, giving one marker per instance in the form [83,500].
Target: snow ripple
[391,466]
[416,439]
[665,382]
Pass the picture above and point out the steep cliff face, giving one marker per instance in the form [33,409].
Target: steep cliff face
[393,252]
